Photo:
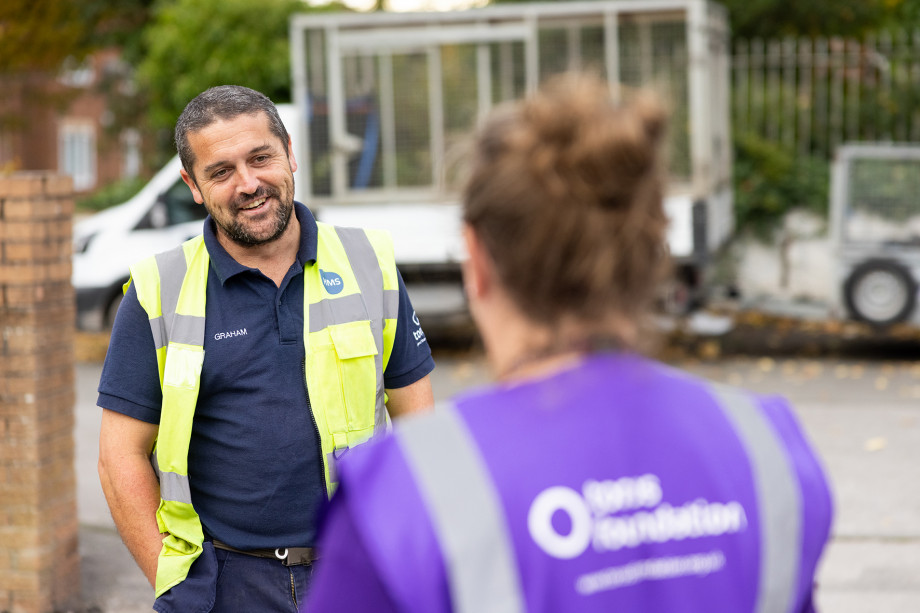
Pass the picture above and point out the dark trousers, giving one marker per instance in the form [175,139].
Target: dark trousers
[246,584]
[223,581]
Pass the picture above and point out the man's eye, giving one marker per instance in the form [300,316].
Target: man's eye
[220,173]
[261,158]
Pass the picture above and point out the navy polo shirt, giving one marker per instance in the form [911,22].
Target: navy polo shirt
[255,470]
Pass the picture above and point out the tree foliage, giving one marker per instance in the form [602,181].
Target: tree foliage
[38,35]
[814,18]
[195,44]
[771,181]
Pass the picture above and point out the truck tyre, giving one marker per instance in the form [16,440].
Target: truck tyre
[880,292]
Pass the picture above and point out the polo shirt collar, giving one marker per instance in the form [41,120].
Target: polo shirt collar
[225,266]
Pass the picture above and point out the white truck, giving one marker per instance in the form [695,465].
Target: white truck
[385,98]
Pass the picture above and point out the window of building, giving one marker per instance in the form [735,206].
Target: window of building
[77,74]
[130,153]
[77,153]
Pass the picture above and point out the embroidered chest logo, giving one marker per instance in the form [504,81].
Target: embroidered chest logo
[331,281]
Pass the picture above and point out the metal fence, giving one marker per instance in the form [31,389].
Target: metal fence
[812,95]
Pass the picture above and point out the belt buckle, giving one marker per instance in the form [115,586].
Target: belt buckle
[295,556]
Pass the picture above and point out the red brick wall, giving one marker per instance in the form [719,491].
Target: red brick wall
[39,561]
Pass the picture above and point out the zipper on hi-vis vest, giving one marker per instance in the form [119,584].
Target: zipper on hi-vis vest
[319,440]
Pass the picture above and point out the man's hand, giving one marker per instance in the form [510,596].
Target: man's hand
[130,486]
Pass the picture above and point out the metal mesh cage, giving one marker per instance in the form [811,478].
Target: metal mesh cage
[884,206]
[406,89]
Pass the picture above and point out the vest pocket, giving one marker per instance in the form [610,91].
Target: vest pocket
[183,366]
[356,350]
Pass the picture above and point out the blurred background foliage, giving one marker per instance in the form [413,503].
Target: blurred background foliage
[178,48]
[111,194]
[770,180]
[195,44]
[814,18]
[42,34]
[191,45]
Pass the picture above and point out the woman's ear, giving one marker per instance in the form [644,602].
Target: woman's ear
[477,267]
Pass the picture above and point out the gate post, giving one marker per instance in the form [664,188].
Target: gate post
[39,560]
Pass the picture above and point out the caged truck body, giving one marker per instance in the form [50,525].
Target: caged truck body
[384,98]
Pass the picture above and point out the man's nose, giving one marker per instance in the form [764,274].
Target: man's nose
[247,181]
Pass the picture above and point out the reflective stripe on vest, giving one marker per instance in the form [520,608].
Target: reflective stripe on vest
[471,528]
[779,501]
[356,327]
[171,287]
[170,325]
[466,513]
[173,486]
[367,271]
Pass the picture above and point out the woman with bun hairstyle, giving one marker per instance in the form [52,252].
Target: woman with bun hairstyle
[588,478]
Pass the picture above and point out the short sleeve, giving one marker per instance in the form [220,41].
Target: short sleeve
[130,381]
[411,358]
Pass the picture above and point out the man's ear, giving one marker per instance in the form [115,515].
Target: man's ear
[291,155]
[478,271]
[196,193]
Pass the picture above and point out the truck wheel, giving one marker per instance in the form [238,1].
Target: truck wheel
[880,292]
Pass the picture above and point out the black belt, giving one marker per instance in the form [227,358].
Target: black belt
[289,556]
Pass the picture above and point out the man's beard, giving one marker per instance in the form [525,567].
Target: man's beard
[240,234]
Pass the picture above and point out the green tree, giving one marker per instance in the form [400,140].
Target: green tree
[38,38]
[770,181]
[38,35]
[813,18]
[195,44]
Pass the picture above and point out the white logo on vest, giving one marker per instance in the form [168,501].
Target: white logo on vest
[592,520]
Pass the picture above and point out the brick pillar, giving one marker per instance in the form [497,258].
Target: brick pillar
[39,561]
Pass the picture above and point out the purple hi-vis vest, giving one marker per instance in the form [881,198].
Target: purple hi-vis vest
[619,485]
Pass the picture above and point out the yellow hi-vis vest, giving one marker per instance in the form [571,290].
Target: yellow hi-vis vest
[351,300]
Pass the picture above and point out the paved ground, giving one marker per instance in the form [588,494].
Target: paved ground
[862,411]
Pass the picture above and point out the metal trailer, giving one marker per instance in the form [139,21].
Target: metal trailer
[875,231]
[388,99]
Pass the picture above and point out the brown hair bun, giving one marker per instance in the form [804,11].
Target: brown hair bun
[565,192]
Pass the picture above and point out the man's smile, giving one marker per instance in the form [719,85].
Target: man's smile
[254,204]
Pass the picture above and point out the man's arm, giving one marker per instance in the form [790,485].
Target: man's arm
[130,485]
[413,398]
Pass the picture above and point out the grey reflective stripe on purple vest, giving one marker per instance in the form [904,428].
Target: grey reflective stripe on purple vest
[466,513]
[190,329]
[779,501]
[471,529]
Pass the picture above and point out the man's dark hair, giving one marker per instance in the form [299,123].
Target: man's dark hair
[223,102]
